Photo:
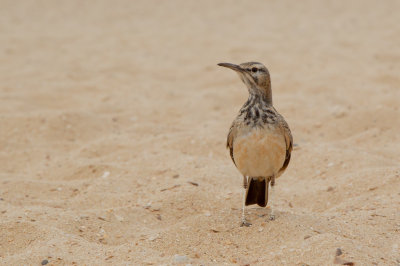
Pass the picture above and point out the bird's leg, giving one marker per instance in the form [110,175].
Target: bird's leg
[244,222]
[271,198]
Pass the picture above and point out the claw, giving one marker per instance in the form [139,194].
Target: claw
[245,223]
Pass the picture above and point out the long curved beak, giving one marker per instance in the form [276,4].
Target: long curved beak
[232,66]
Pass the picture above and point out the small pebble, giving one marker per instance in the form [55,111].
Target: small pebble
[105,174]
[101,218]
[119,218]
[338,111]
[44,262]
[338,252]
[152,238]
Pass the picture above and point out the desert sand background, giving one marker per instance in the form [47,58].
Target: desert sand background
[113,121]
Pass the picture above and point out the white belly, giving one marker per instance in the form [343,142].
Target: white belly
[259,152]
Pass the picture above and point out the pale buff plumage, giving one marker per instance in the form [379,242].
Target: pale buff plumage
[259,152]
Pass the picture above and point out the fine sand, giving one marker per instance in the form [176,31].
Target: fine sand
[114,116]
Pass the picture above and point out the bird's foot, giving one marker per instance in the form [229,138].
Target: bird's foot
[272,217]
[245,223]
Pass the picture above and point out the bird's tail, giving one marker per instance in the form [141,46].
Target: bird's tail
[257,192]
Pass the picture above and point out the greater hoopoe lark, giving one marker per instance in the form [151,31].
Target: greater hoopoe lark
[259,140]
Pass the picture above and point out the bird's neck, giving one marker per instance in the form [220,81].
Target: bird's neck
[262,94]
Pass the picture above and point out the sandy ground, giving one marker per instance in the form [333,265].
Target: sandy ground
[108,110]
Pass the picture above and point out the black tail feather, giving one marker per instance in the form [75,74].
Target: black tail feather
[257,192]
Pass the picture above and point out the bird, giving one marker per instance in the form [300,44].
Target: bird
[259,140]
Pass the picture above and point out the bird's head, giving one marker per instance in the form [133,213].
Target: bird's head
[255,75]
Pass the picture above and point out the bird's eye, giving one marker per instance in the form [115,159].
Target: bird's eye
[254,69]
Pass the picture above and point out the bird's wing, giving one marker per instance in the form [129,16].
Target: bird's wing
[229,140]
[289,144]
